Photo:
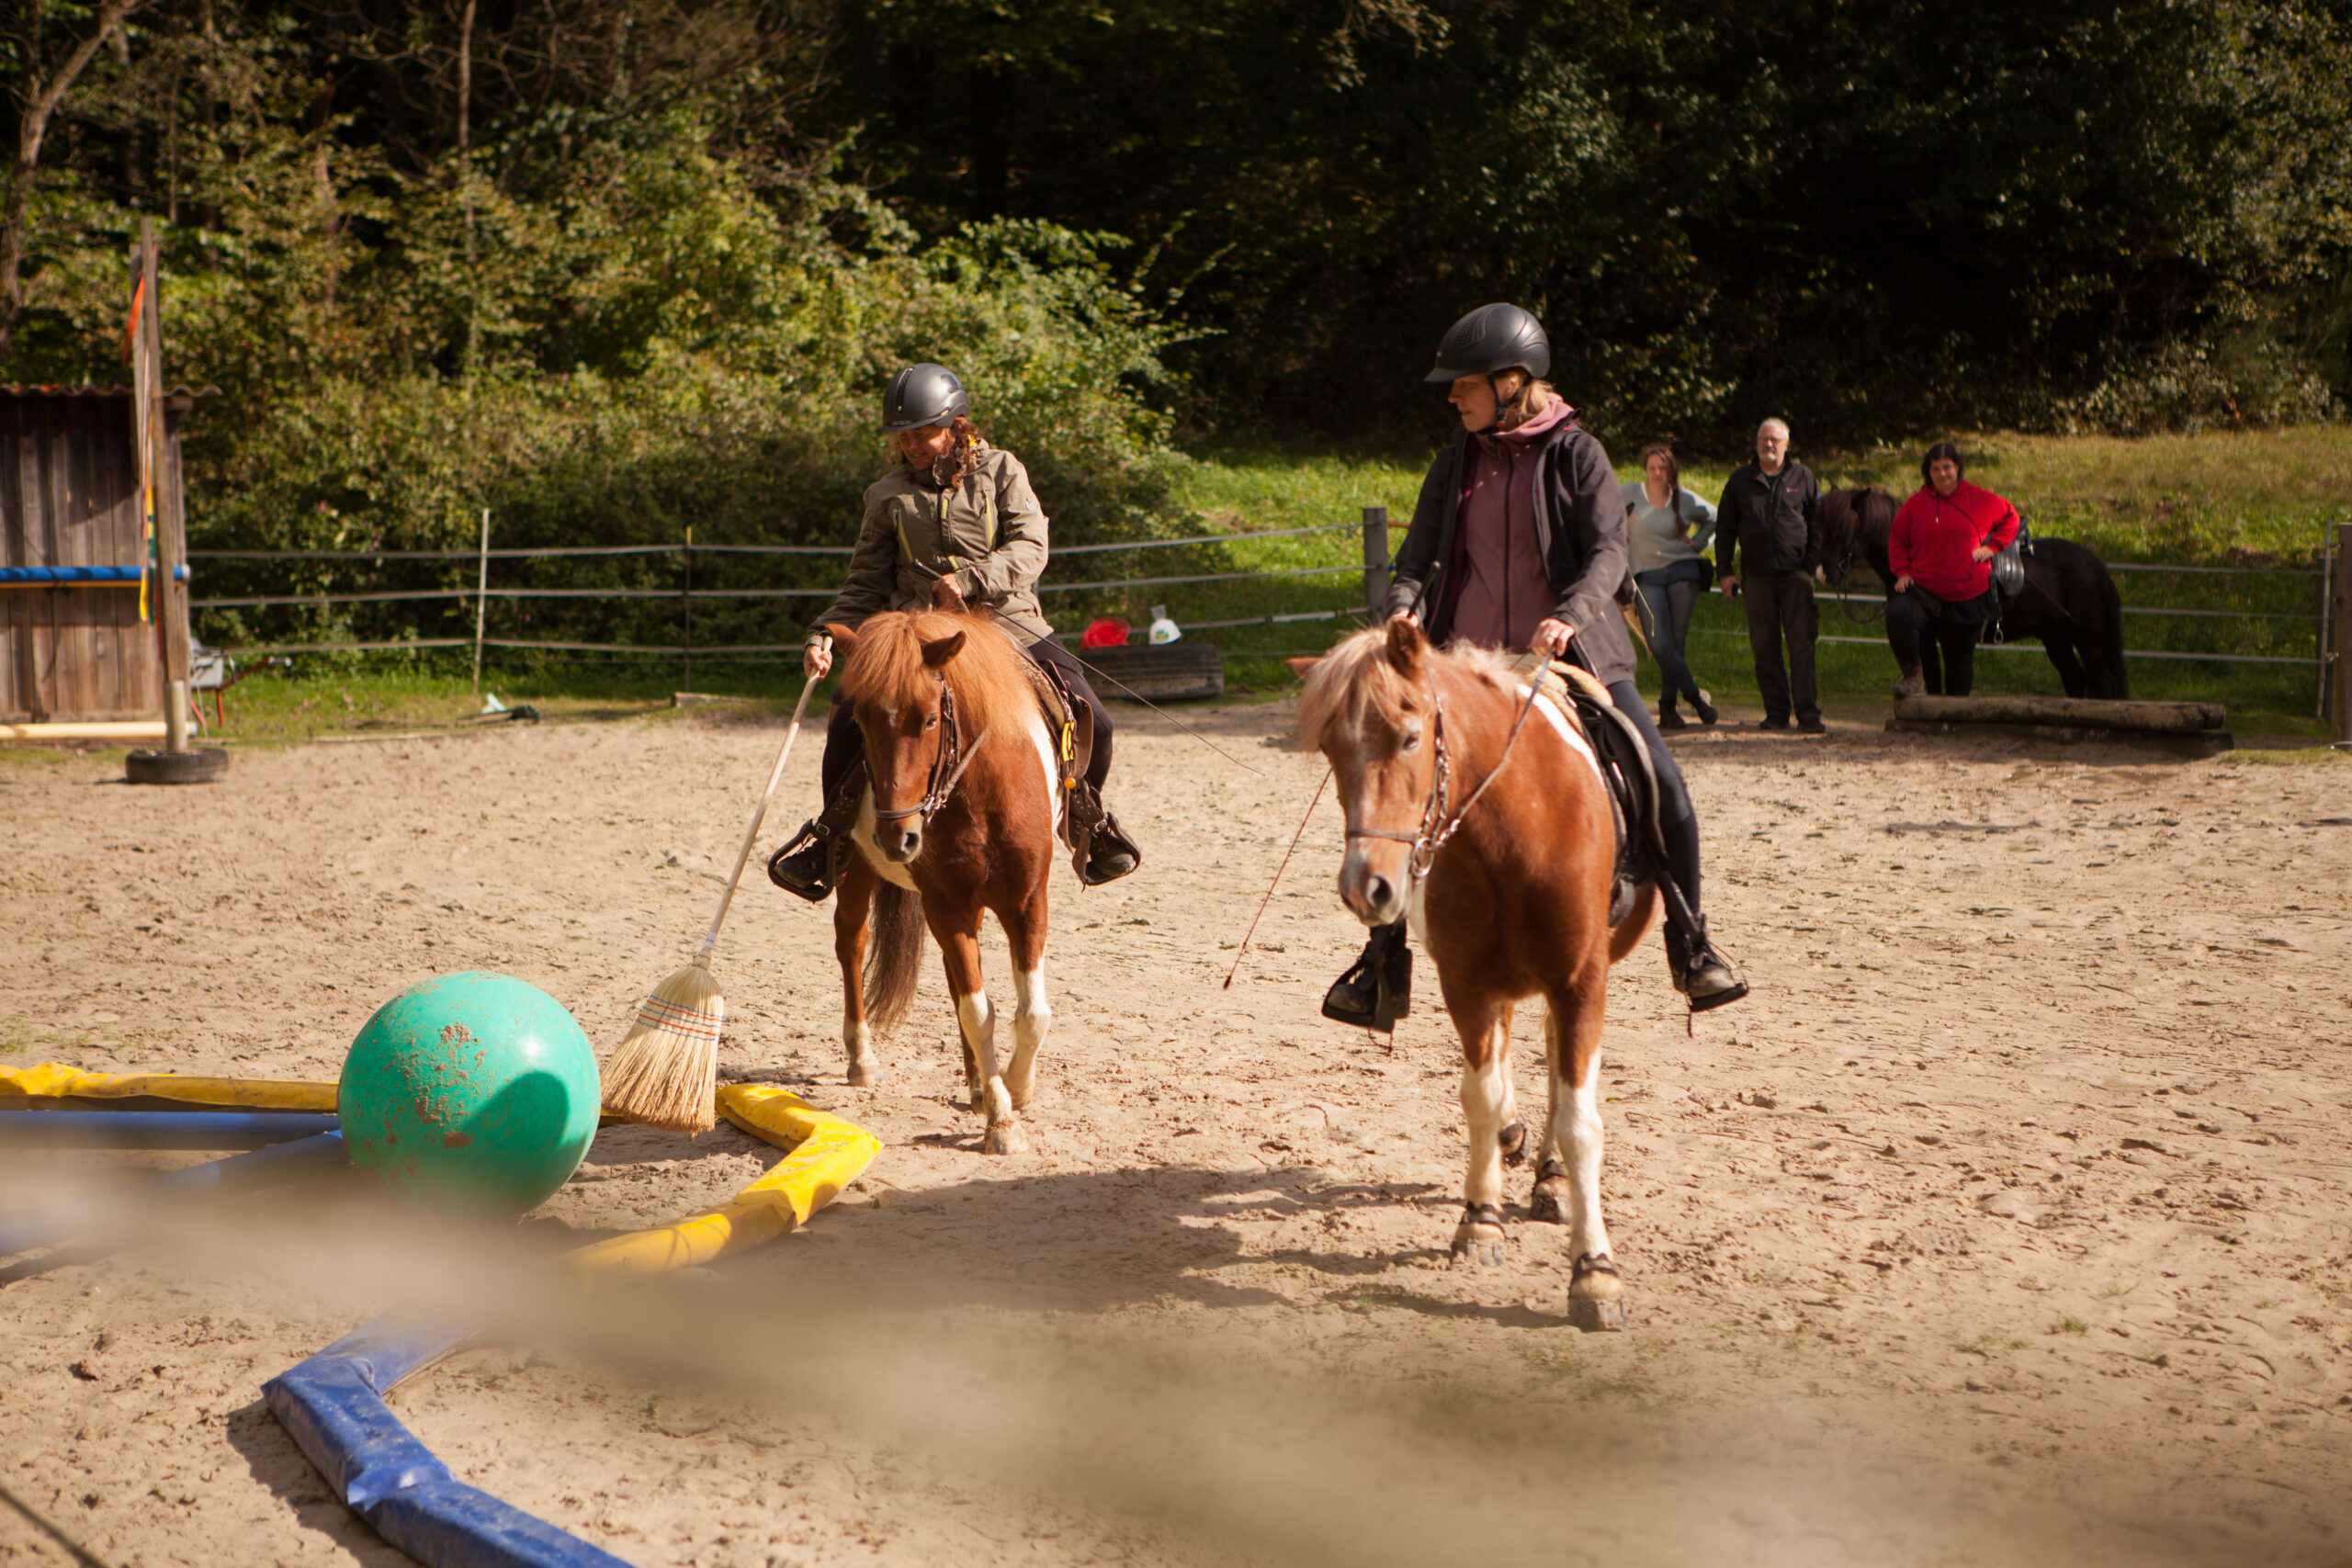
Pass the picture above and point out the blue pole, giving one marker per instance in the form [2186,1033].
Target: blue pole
[160,1129]
[82,1218]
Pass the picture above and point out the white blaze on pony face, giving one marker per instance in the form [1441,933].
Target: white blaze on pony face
[1385,776]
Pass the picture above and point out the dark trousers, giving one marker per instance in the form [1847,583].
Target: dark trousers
[1924,635]
[1781,607]
[1668,595]
[1677,823]
[845,743]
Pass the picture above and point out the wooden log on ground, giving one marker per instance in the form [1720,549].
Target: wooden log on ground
[97,729]
[2184,743]
[2071,713]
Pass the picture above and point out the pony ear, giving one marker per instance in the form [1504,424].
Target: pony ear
[937,652]
[842,635]
[1406,645]
[1299,667]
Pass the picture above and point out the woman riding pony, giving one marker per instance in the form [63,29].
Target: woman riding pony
[956,510]
[1519,543]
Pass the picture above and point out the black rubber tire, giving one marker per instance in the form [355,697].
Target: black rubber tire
[175,767]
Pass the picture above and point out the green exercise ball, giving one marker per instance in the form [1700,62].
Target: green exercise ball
[472,1090]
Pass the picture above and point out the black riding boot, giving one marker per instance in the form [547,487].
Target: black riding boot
[811,860]
[1102,851]
[1377,990]
[1699,971]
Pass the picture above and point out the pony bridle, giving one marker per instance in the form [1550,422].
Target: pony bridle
[946,767]
[1438,823]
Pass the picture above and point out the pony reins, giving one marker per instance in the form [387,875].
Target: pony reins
[946,767]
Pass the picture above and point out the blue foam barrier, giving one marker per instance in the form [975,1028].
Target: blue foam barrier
[81,1218]
[59,575]
[333,1406]
[160,1129]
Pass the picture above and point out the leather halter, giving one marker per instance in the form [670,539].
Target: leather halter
[1438,824]
[946,767]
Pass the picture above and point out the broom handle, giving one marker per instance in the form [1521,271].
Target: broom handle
[758,815]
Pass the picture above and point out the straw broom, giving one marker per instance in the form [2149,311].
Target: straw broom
[665,1073]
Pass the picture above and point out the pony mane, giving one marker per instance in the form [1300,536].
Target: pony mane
[986,676]
[1847,515]
[1355,682]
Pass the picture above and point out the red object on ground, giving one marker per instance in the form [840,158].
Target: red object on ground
[1105,633]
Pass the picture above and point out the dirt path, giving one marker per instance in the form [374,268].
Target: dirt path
[2005,1222]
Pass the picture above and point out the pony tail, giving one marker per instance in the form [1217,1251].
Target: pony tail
[891,959]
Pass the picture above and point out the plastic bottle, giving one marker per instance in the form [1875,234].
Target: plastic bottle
[1162,628]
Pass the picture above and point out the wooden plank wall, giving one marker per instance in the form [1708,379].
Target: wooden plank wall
[69,485]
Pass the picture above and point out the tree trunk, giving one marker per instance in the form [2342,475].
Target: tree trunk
[40,97]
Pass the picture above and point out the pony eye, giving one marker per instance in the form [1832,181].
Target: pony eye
[931,723]
[1412,741]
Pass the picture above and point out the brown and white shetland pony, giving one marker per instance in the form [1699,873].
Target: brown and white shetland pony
[1505,876]
[960,817]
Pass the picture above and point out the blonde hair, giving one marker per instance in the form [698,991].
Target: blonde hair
[1524,405]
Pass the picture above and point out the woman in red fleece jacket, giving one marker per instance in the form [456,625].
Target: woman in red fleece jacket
[1944,540]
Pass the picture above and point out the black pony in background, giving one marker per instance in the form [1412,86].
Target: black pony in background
[2069,600]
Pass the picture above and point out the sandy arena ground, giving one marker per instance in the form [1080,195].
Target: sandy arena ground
[2004,1223]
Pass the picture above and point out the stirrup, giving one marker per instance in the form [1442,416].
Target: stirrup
[1110,855]
[805,863]
[811,860]
[1377,989]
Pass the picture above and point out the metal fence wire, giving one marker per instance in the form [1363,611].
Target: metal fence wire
[722,602]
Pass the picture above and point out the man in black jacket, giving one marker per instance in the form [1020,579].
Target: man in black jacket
[1765,523]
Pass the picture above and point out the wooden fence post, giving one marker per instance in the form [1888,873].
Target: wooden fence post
[157,475]
[1376,560]
[481,596]
[2339,626]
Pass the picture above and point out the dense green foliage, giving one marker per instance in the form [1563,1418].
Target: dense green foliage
[617,268]
[601,306]
[1877,218]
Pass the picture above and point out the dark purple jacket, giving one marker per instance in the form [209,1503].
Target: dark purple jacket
[1580,523]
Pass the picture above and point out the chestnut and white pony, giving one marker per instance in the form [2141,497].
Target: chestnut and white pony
[1476,811]
[960,817]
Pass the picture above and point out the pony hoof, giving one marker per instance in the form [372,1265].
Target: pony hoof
[1549,1202]
[1004,1138]
[1597,1300]
[1513,1140]
[1597,1316]
[863,1075]
[1478,1240]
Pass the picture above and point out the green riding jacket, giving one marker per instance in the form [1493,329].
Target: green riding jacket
[989,533]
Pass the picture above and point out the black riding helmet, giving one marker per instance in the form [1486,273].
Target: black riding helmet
[921,395]
[1490,341]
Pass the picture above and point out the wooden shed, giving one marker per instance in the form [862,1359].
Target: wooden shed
[73,557]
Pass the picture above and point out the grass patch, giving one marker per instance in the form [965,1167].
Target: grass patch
[17,1035]
[2216,499]
[2068,1326]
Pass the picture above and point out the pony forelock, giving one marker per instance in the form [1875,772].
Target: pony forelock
[1355,682]
[886,667]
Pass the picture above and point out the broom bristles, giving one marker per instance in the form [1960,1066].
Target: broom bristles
[665,1073]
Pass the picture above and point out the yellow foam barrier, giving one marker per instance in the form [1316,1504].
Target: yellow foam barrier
[54,1080]
[828,1153]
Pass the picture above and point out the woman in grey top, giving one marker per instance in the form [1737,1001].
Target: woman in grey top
[1670,571]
